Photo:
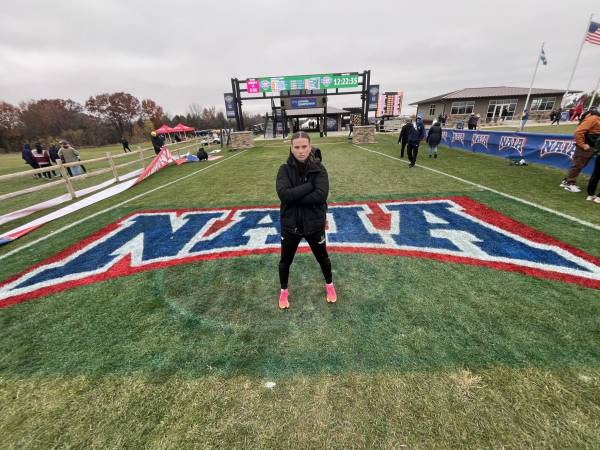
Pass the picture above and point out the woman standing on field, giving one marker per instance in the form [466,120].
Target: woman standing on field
[302,186]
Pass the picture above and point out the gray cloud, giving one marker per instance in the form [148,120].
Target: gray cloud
[184,52]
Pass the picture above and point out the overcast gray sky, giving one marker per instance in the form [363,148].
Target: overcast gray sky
[184,52]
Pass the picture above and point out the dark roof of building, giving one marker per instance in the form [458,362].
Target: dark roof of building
[486,92]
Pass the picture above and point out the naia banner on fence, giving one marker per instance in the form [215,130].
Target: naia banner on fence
[554,150]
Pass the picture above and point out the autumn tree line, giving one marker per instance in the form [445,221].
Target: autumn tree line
[103,119]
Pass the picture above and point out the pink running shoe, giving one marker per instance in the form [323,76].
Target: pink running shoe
[283,299]
[331,295]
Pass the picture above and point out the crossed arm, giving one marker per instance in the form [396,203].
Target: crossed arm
[305,194]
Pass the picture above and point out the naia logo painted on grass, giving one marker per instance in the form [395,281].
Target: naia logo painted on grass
[455,229]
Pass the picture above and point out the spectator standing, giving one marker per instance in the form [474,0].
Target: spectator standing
[68,155]
[27,156]
[415,136]
[524,118]
[125,144]
[504,114]
[586,137]
[592,186]
[53,152]
[587,113]
[472,122]
[157,142]
[403,138]
[42,158]
[434,136]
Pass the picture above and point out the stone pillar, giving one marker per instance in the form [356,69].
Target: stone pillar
[363,134]
[241,140]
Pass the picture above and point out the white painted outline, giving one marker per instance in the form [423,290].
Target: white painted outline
[485,188]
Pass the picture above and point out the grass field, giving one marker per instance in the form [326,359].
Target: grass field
[416,353]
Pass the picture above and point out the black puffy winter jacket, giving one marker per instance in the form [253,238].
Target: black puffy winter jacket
[303,191]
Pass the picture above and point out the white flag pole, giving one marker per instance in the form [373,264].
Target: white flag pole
[577,59]
[537,64]
[595,92]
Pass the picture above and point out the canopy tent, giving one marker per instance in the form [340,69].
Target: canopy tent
[180,127]
[165,129]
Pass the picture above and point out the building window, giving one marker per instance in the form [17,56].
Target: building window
[496,106]
[432,110]
[543,104]
[462,107]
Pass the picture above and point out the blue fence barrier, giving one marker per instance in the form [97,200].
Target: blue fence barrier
[554,150]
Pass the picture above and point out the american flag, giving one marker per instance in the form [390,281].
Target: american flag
[593,34]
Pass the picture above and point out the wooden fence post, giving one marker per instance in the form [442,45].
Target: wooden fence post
[66,179]
[142,159]
[112,166]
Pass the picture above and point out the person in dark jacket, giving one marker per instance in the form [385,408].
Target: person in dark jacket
[53,152]
[27,156]
[125,144]
[202,155]
[303,186]
[416,133]
[472,122]
[157,142]
[434,136]
[403,138]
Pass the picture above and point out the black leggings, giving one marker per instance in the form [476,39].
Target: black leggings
[402,147]
[289,245]
[413,151]
[593,183]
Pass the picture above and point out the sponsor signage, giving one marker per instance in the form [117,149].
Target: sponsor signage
[299,82]
[390,104]
[454,229]
[373,97]
[512,143]
[298,103]
[481,139]
[458,137]
[558,146]
[554,150]
[229,106]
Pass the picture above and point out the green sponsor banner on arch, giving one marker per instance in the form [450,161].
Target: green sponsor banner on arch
[293,82]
